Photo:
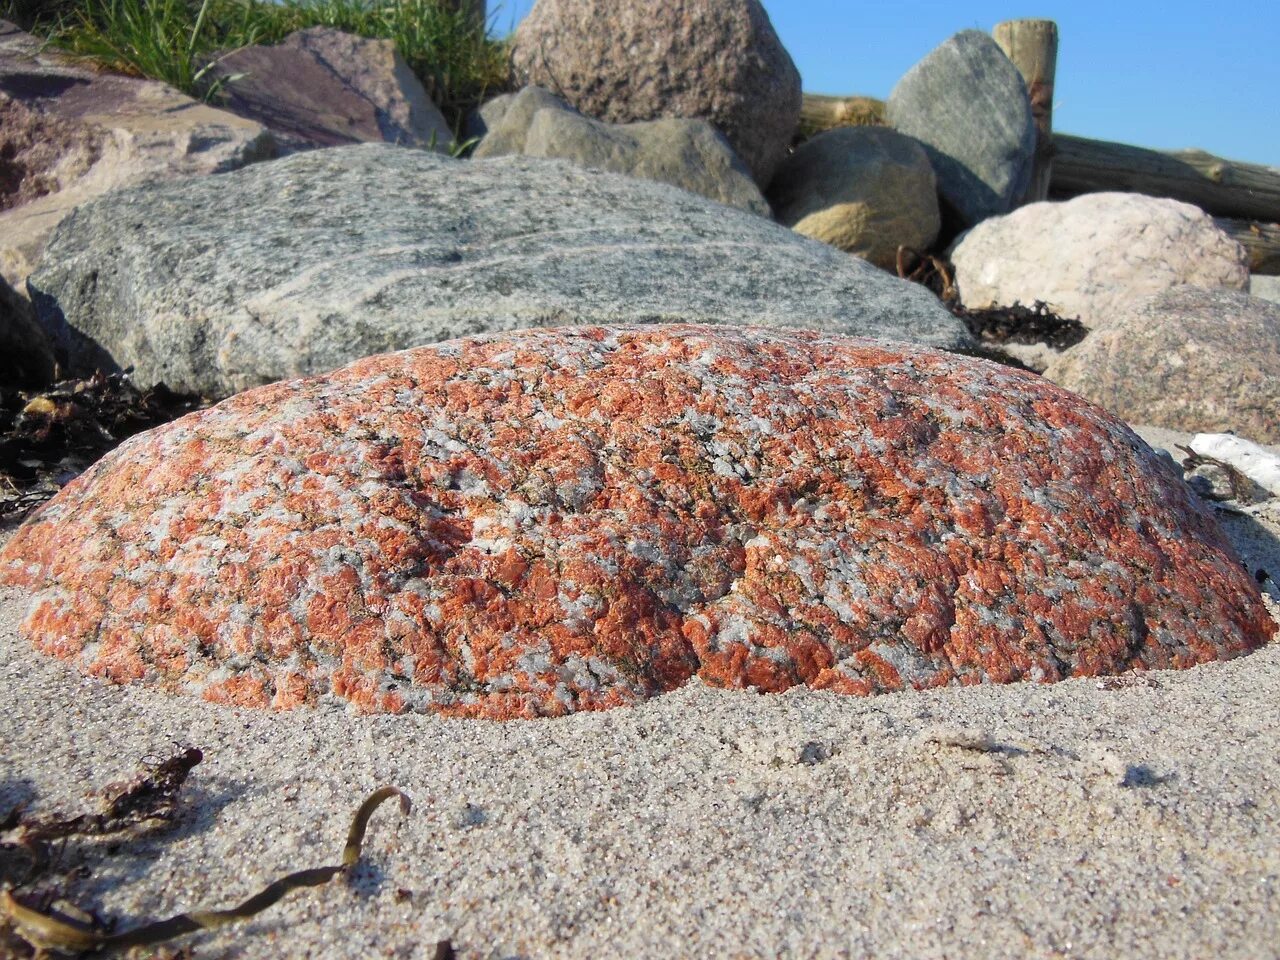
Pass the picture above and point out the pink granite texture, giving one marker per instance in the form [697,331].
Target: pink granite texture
[535,523]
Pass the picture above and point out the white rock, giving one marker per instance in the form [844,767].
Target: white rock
[1093,255]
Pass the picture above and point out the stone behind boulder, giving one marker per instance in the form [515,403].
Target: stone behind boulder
[26,356]
[689,154]
[1202,361]
[543,522]
[321,87]
[969,106]
[69,133]
[307,263]
[1268,288]
[866,190]
[715,60]
[1090,257]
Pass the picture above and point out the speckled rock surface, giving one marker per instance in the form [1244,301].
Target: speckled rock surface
[574,519]
[689,154]
[1203,361]
[714,60]
[1095,255]
[968,105]
[300,266]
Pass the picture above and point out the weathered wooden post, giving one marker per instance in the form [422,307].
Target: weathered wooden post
[1032,45]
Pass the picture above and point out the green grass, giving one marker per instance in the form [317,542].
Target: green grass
[174,40]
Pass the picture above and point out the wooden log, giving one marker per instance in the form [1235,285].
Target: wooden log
[1220,187]
[819,112]
[1032,45]
[1260,240]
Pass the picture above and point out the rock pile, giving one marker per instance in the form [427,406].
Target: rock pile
[536,523]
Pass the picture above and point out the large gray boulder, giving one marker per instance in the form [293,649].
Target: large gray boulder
[1204,361]
[866,190]
[69,133]
[968,104]
[689,154]
[321,87]
[716,60]
[301,265]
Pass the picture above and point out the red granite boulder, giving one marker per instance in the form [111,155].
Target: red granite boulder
[556,520]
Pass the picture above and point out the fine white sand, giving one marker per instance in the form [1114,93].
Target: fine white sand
[1088,818]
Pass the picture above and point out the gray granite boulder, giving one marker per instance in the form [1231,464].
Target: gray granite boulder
[1204,361]
[866,190]
[69,133]
[321,87]
[968,104]
[715,60]
[689,154]
[304,264]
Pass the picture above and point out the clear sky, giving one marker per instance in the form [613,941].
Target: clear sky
[1172,74]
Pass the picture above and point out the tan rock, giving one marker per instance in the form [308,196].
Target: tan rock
[77,133]
[1202,361]
[1092,256]
[866,190]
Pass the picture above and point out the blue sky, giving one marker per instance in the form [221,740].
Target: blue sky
[1167,75]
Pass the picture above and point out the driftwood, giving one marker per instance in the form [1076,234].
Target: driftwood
[819,113]
[1032,45]
[1222,188]
[1260,240]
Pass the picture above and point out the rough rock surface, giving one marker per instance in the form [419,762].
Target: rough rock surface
[1268,288]
[689,154]
[549,521]
[307,263]
[866,190]
[1092,256]
[1203,361]
[715,60]
[26,356]
[968,105]
[69,133]
[321,87]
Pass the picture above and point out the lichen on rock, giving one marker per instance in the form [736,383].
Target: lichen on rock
[535,523]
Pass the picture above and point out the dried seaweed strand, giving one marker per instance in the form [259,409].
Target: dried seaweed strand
[64,934]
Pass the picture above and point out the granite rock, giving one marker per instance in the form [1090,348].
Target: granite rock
[866,190]
[304,264]
[969,106]
[715,60]
[542,522]
[1090,257]
[1186,359]
[69,133]
[321,87]
[689,154]
[1268,288]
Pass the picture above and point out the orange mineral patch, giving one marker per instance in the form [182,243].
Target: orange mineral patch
[534,523]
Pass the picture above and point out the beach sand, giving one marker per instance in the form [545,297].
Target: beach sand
[1131,817]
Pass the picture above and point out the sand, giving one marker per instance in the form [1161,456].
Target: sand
[1134,818]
